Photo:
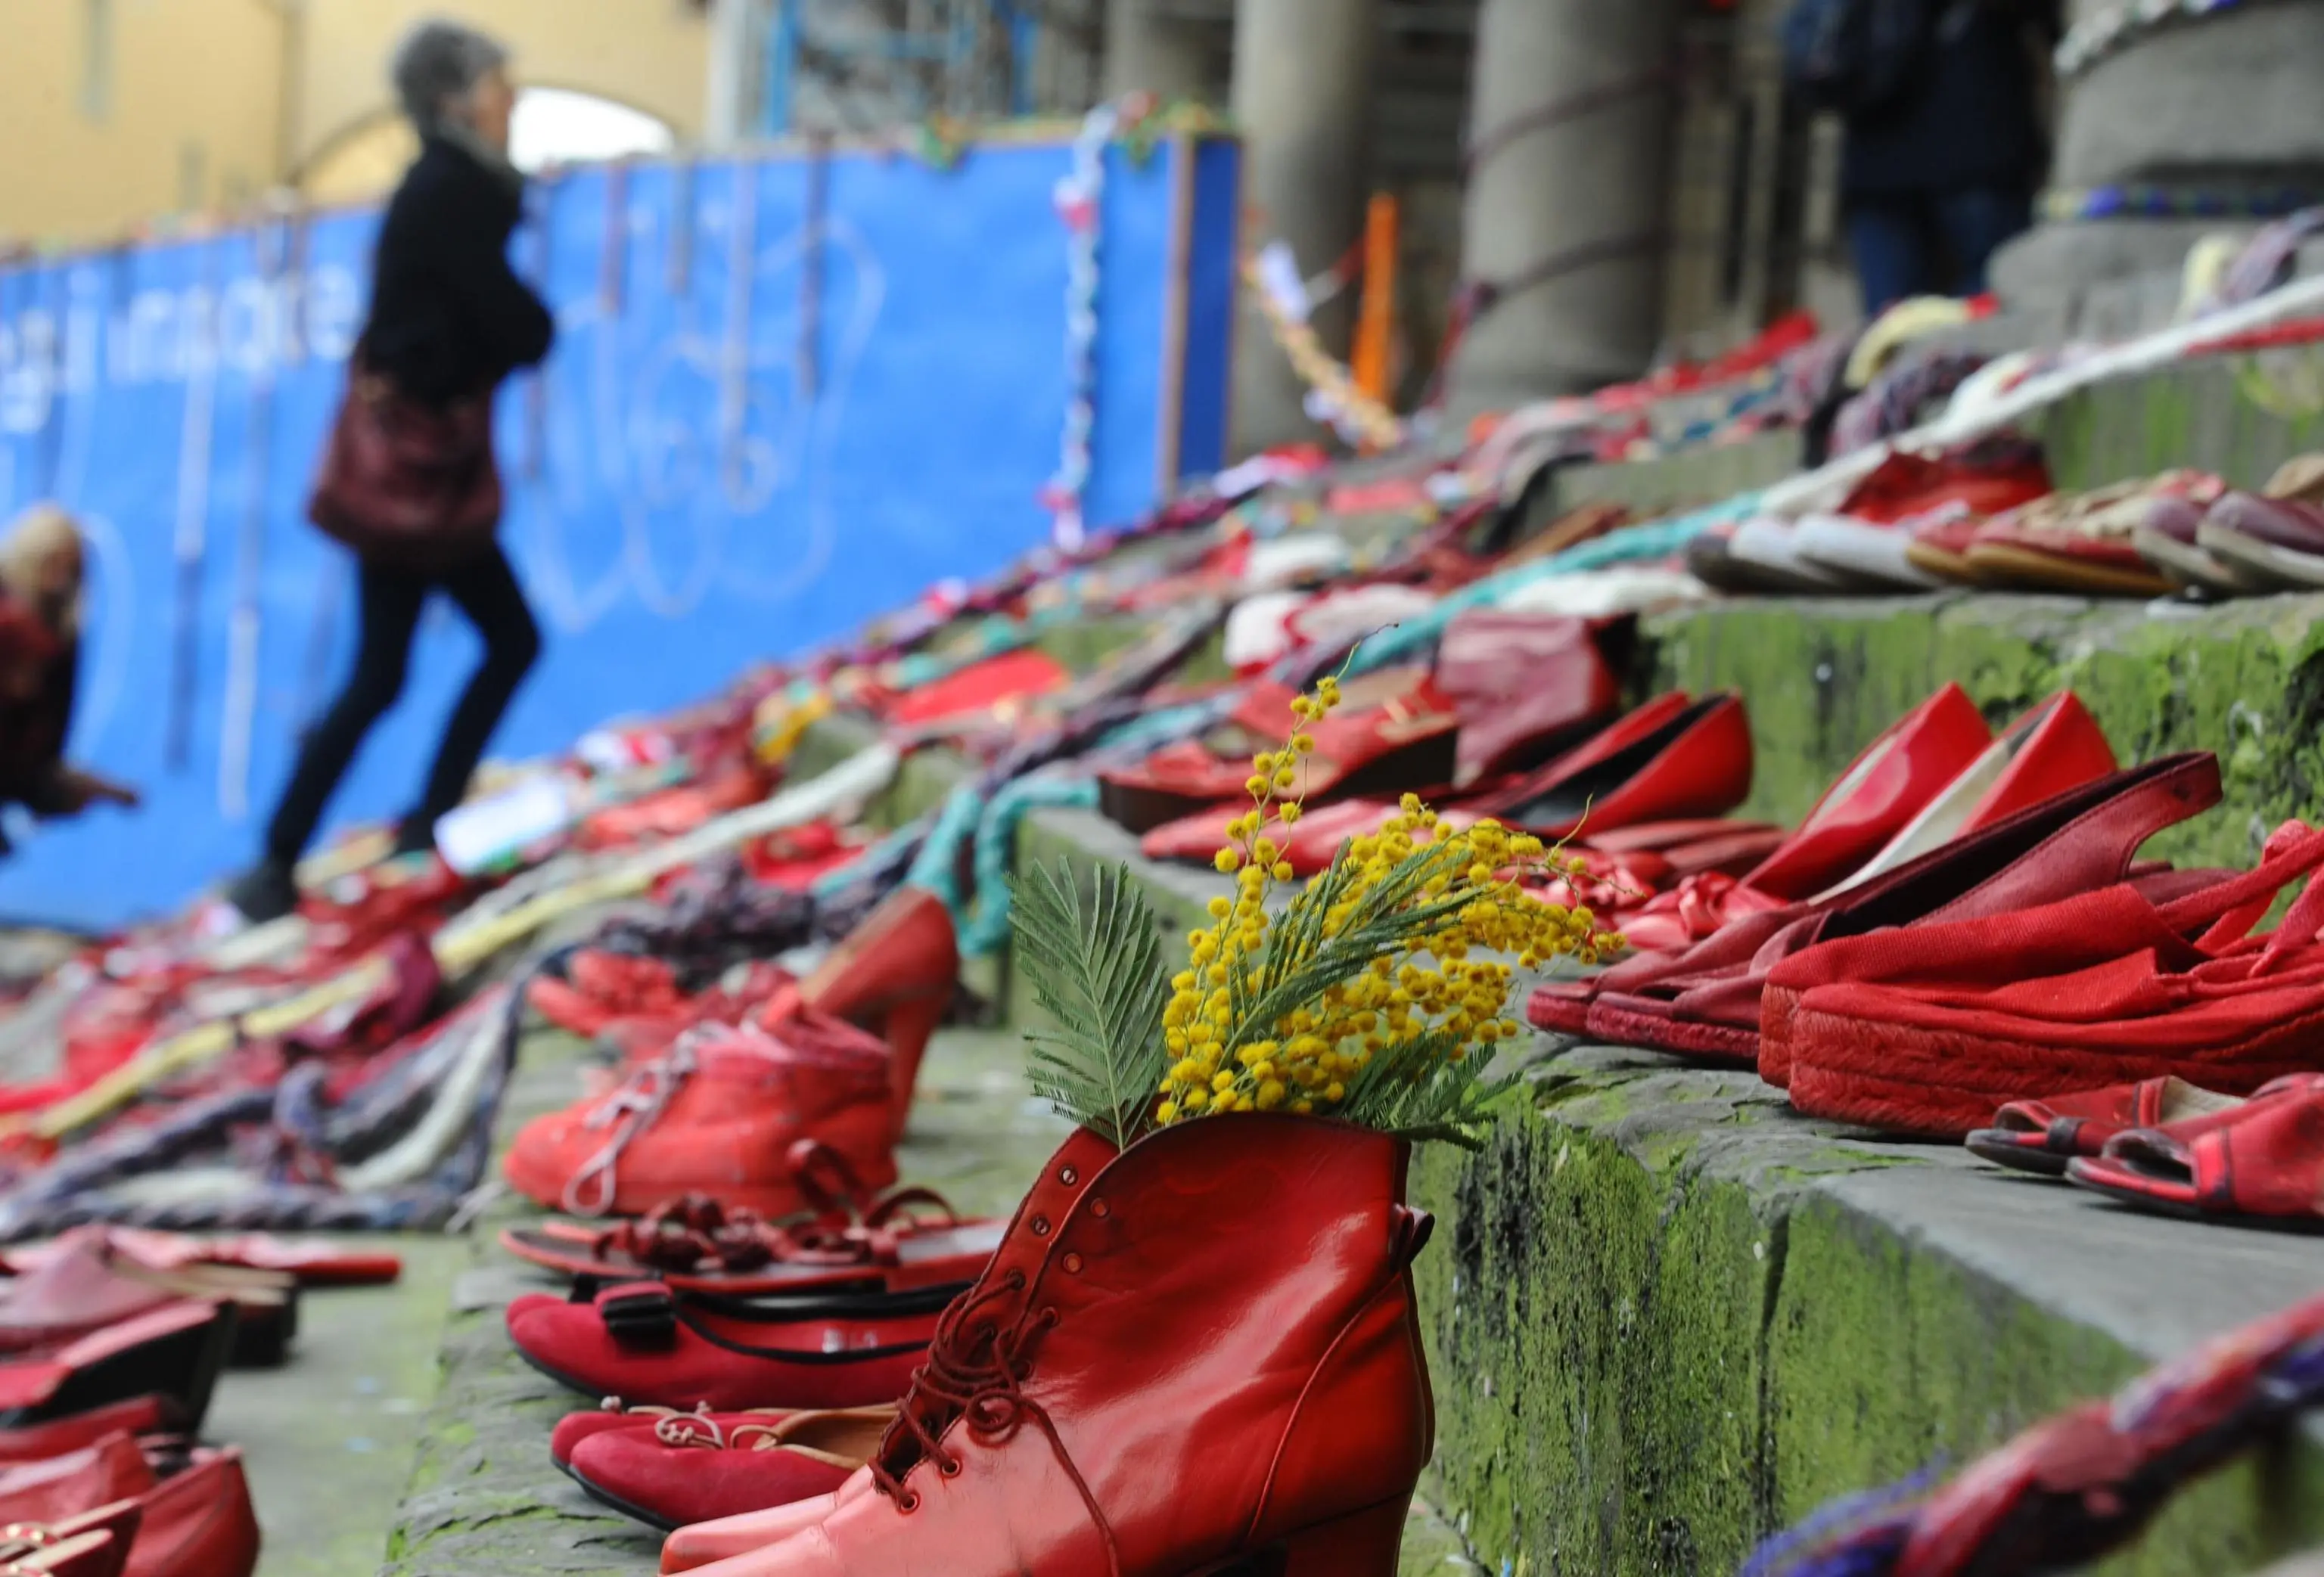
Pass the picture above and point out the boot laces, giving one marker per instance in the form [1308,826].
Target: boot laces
[629,1112]
[975,1374]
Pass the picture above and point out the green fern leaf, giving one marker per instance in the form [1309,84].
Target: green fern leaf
[1094,960]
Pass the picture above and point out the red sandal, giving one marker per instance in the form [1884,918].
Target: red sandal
[2262,1162]
[2042,1136]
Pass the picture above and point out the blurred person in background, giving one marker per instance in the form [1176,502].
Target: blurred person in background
[40,571]
[1946,146]
[408,478]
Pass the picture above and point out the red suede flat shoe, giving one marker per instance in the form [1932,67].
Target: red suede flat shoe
[719,1114]
[642,1341]
[696,1244]
[691,1470]
[1708,1001]
[198,1522]
[2105,986]
[1393,731]
[612,1416]
[1889,784]
[2042,1136]
[2262,1164]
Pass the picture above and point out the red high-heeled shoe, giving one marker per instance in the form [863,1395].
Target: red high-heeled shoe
[1298,1413]
[892,976]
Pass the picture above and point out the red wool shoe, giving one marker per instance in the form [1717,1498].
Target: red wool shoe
[1254,1270]
[2110,985]
[615,1418]
[694,1468]
[727,1354]
[2042,1136]
[2262,1164]
[719,1114]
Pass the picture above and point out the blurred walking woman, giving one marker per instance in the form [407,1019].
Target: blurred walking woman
[408,479]
[40,573]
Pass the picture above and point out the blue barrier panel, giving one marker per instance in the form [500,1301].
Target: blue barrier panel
[784,398]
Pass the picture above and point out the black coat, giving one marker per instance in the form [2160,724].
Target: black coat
[1967,119]
[449,315]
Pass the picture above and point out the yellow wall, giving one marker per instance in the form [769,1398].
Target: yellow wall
[192,111]
[197,116]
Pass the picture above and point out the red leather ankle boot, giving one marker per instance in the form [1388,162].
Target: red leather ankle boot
[893,975]
[1197,1351]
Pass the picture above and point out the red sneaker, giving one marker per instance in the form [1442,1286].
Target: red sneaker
[675,1349]
[693,1469]
[719,1114]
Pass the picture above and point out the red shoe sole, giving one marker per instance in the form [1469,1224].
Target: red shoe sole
[1686,1037]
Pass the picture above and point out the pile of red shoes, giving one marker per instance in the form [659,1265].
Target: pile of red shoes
[809,1414]
[110,1345]
[1962,925]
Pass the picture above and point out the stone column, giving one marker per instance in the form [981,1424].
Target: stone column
[1302,95]
[1149,49]
[734,66]
[1591,186]
[2224,104]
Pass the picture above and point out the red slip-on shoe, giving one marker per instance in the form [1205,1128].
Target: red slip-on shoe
[1526,686]
[645,1342]
[308,1261]
[174,1351]
[87,1281]
[892,976]
[1727,999]
[1394,730]
[138,1415]
[199,1522]
[2107,986]
[2261,1163]
[2042,1136]
[719,1114]
[115,1524]
[614,1417]
[2055,747]
[76,1483]
[692,1470]
[1984,477]
[1697,763]
[695,1244]
[1896,777]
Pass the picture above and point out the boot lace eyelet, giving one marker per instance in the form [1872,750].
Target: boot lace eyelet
[949,1467]
[909,1502]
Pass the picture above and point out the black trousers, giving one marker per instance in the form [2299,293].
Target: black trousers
[486,590]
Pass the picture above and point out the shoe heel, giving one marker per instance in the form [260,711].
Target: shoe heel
[1362,1543]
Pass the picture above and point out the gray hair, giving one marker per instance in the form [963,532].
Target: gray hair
[439,62]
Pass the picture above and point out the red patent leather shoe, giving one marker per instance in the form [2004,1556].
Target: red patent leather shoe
[694,1468]
[1672,758]
[903,1241]
[614,1416]
[1892,782]
[1729,998]
[893,975]
[1299,1411]
[2105,986]
[2042,1136]
[199,1522]
[643,1342]
[1395,730]
[138,1415]
[720,1114]
[2262,1162]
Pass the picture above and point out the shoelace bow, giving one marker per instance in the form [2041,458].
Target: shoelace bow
[629,1112]
[976,1372]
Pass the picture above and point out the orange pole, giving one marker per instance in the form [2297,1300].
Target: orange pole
[1376,312]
